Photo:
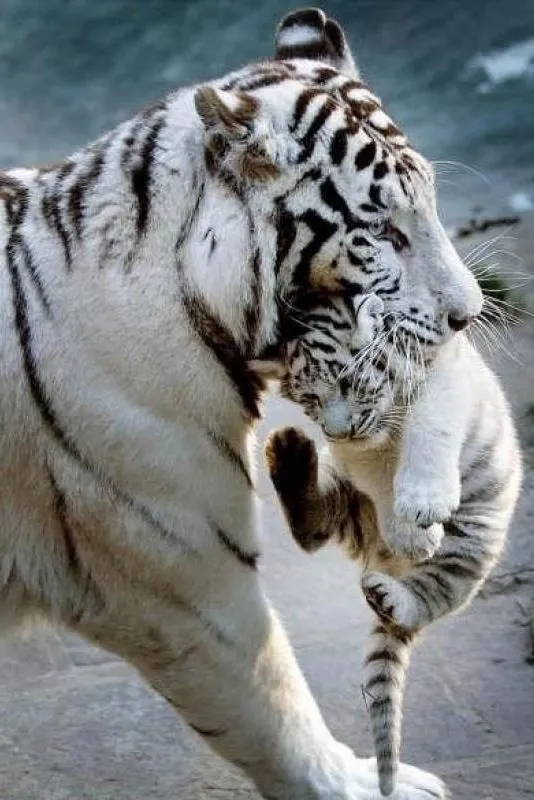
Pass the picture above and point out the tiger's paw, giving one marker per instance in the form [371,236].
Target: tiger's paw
[291,458]
[391,600]
[424,500]
[413,541]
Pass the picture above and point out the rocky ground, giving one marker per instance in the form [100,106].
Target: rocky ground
[77,724]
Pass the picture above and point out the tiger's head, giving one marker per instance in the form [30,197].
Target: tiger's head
[333,196]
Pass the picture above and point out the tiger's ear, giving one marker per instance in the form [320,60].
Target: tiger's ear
[232,137]
[308,33]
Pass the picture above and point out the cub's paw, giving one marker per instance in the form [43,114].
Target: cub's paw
[292,461]
[424,502]
[391,600]
[414,541]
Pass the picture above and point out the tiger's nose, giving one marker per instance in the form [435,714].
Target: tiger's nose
[457,321]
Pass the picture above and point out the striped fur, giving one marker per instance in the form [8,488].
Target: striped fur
[418,483]
[139,278]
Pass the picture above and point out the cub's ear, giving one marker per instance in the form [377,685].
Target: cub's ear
[270,369]
[232,137]
[308,33]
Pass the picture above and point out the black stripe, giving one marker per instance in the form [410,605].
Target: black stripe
[60,510]
[229,453]
[324,75]
[481,495]
[419,588]
[480,463]
[333,199]
[381,680]
[18,244]
[322,231]
[81,186]
[309,138]
[383,655]
[15,198]
[241,80]
[253,309]
[365,157]
[286,233]
[91,599]
[141,176]
[461,568]
[207,733]
[328,322]
[190,221]
[220,341]
[248,559]
[353,516]
[381,291]
[380,170]
[451,529]
[338,146]
[262,81]
[380,703]
[52,213]
[360,241]
[442,586]
[374,196]
[302,104]
[130,142]
[316,51]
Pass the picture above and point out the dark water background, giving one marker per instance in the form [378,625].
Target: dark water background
[457,74]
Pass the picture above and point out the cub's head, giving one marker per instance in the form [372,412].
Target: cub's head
[338,364]
[333,196]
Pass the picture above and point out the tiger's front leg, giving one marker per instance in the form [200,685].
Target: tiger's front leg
[227,667]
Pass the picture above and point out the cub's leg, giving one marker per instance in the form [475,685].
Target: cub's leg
[427,480]
[318,504]
[441,585]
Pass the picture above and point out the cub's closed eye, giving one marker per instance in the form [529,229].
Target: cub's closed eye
[385,230]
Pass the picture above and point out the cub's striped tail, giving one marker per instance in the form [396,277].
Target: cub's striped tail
[385,675]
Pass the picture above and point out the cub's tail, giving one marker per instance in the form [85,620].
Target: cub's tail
[385,674]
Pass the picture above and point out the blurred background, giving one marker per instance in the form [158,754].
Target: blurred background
[457,74]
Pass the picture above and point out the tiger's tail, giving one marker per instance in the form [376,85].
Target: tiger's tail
[385,674]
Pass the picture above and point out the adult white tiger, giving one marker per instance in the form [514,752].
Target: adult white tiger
[137,279]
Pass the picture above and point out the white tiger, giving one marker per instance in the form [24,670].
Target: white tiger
[137,279]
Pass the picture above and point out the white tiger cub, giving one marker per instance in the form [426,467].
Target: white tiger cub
[439,461]
[137,278]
